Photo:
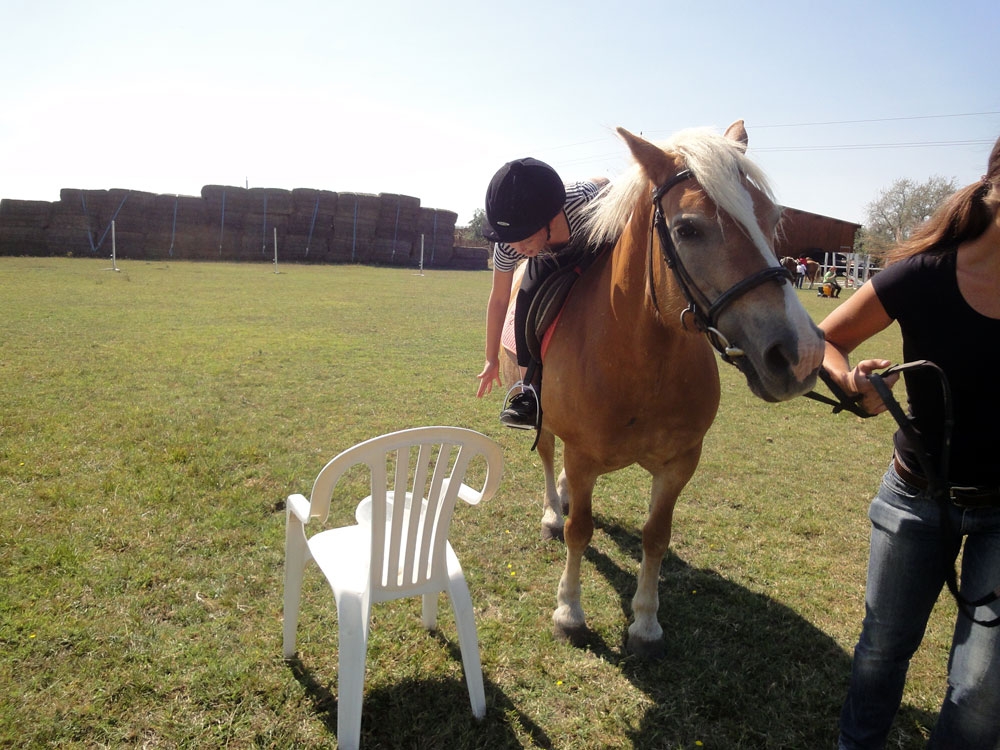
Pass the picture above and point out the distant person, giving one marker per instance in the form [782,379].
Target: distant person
[530,214]
[800,273]
[942,286]
[830,277]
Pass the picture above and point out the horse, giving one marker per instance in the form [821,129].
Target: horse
[812,271]
[629,372]
[812,268]
[792,266]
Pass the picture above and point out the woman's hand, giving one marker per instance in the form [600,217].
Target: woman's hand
[858,381]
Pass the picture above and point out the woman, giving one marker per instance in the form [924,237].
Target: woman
[530,214]
[943,288]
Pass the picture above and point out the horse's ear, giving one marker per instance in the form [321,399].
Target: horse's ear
[653,159]
[738,133]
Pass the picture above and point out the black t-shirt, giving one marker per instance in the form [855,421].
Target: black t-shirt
[922,294]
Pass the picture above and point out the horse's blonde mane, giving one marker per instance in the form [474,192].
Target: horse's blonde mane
[715,160]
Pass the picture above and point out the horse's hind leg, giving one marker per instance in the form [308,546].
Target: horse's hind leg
[552,505]
[645,635]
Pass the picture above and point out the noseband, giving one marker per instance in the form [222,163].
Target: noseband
[704,312]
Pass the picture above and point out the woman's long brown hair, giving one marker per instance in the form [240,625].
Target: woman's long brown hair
[963,216]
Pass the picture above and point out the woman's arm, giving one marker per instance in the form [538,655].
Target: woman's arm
[859,318]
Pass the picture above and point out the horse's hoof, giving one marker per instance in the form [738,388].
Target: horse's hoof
[646,650]
[552,533]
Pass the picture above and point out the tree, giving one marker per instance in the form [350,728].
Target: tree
[478,222]
[472,235]
[898,210]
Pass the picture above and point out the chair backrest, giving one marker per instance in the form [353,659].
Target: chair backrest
[416,477]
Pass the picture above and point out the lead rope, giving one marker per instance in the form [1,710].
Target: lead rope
[937,484]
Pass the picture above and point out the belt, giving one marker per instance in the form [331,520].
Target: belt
[963,497]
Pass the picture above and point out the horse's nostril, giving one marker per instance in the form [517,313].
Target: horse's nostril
[776,358]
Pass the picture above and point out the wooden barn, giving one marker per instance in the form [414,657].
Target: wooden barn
[807,234]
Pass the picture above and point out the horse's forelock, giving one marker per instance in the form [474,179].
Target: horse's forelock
[717,163]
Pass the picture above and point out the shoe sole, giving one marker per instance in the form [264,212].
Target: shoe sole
[517,426]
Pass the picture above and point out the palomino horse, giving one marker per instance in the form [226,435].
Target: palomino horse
[629,375]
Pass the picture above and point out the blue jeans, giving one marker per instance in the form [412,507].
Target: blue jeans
[906,567]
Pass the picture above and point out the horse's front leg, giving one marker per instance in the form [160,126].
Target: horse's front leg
[645,635]
[568,619]
[552,505]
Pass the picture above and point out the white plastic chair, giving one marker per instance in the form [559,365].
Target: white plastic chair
[390,554]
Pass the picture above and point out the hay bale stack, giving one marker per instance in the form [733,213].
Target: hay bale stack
[438,229]
[18,213]
[310,226]
[278,202]
[233,223]
[192,236]
[226,208]
[269,211]
[470,259]
[396,230]
[135,219]
[70,228]
[103,207]
[160,225]
[354,225]
[22,227]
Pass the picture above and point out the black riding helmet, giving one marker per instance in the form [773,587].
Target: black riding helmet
[524,195]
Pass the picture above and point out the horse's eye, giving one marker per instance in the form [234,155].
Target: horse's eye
[686,230]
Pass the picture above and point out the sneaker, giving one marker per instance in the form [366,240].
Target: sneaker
[522,411]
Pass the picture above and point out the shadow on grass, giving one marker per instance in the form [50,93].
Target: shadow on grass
[432,713]
[744,670]
[740,671]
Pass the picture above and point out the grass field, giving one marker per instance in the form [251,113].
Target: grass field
[152,421]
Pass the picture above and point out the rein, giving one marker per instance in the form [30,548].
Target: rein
[704,312]
[937,480]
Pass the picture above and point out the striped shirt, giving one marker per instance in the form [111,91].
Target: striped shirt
[578,195]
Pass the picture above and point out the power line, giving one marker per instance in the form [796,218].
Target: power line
[868,146]
[876,119]
[821,123]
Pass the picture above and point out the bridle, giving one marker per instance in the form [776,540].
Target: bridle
[704,312]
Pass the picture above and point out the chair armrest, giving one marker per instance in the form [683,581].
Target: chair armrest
[469,495]
[298,505]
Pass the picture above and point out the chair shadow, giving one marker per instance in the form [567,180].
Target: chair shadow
[421,723]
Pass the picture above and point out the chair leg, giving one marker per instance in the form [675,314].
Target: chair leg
[296,550]
[468,641]
[351,659]
[430,608]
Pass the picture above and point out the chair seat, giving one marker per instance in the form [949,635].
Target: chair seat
[344,556]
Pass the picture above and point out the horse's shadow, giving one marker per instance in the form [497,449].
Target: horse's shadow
[745,670]
[774,679]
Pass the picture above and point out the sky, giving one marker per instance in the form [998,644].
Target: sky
[430,98]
